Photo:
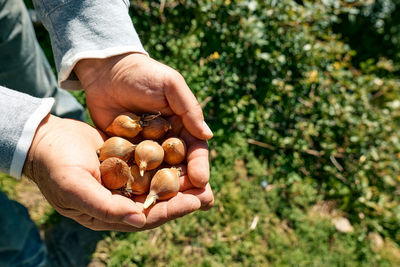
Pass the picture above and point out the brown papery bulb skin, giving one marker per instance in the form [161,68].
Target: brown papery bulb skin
[140,184]
[126,125]
[174,150]
[155,128]
[115,173]
[148,155]
[164,185]
[116,147]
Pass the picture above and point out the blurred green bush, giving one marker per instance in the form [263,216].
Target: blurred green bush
[279,74]
[372,29]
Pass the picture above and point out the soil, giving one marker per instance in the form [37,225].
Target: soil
[30,196]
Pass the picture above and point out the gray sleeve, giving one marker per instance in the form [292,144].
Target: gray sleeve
[86,29]
[20,115]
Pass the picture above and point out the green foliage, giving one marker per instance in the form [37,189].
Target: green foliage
[7,185]
[287,233]
[372,29]
[276,72]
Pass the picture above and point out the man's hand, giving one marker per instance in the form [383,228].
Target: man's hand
[62,161]
[139,84]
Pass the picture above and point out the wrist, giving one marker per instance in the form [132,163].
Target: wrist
[90,69]
[30,168]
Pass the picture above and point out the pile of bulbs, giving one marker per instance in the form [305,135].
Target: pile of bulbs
[136,168]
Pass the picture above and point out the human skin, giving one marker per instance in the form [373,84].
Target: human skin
[136,83]
[63,163]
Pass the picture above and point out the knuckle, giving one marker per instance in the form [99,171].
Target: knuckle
[194,111]
[202,178]
[173,77]
[209,201]
[92,225]
[177,76]
[208,204]
[107,214]
[98,228]
[197,108]
[67,212]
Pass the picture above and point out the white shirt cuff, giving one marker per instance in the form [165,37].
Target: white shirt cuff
[24,143]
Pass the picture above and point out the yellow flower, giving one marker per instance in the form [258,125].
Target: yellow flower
[312,76]
[336,65]
[214,55]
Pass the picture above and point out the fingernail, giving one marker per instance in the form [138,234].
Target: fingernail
[136,220]
[207,130]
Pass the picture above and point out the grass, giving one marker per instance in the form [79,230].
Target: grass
[7,185]
[250,225]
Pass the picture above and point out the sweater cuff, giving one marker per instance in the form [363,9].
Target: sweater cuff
[81,29]
[67,78]
[27,135]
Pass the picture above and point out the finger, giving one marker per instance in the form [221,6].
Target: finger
[184,104]
[95,200]
[184,181]
[102,134]
[197,160]
[99,225]
[171,209]
[205,195]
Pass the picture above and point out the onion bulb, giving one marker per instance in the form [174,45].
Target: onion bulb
[164,185]
[154,129]
[116,147]
[174,150]
[140,184]
[148,155]
[114,173]
[126,125]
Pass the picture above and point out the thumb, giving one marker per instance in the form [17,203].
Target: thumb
[184,104]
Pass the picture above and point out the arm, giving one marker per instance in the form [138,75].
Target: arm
[86,29]
[20,115]
[59,155]
[56,154]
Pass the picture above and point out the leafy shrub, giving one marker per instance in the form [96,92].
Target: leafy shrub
[372,29]
[275,72]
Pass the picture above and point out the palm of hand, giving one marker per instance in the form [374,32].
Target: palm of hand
[66,168]
[139,84]
[126,86]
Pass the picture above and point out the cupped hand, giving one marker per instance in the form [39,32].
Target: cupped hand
[136,83]
[63,162]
